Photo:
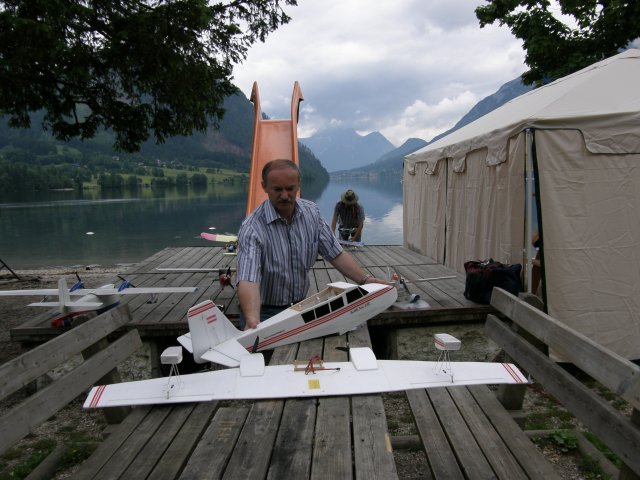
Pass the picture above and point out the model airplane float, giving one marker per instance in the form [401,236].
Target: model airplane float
[98,299]
[362,374]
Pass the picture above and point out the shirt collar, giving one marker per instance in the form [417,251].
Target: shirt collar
[271,215]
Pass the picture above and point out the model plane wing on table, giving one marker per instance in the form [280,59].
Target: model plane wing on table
[363,374]
[98,299]
[339,308]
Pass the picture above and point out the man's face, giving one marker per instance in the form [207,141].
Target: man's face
[282,187]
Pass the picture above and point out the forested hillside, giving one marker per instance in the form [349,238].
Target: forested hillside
[31,159]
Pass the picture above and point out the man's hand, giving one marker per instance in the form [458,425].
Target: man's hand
[250,324]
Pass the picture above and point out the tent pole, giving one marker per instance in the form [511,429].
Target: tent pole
[529,189]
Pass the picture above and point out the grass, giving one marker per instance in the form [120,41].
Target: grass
[27,459]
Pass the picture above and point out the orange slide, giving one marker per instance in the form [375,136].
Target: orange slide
[272,140]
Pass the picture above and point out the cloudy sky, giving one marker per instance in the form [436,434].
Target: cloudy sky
[406,68]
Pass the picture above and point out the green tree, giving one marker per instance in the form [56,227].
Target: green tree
[590,31]
[133,67]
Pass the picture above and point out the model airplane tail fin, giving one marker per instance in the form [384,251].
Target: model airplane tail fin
[209,327]
[63,294]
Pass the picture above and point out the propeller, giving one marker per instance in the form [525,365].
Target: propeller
[125,283]
[225,277]
[255,345]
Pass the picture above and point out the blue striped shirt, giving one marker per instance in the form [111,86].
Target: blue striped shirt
[279,256]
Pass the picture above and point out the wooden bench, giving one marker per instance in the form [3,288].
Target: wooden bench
[100,359]
[527,329]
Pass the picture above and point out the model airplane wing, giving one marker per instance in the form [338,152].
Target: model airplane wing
[87,305]
[36,292]
[194,269]
[215,237]
[134,290]
[363,374]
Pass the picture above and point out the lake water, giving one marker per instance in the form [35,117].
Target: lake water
[70,228]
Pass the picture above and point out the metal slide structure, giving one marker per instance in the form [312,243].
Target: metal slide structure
[272,140]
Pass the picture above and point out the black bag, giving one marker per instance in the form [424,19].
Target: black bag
[483,276]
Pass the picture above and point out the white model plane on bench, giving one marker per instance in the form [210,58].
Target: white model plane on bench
[339,308]
[98,299]
[362,374]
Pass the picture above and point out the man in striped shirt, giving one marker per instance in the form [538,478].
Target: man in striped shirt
[279,243]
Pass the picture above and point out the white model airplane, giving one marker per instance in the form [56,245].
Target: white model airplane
[98,299]
[339,308]
[362,374]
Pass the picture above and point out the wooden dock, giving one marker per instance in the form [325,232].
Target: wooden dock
[165,316]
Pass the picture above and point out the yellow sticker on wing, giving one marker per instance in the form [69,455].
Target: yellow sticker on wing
[314,384]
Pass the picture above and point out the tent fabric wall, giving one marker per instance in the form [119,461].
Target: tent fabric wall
[591,226]
[586,128]
[424,228]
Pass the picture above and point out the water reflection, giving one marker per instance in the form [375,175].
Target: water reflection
[50,228]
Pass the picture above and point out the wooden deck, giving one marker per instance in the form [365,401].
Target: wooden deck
[166,317]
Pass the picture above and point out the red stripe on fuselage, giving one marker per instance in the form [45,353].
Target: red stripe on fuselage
[321,320]
[203,308]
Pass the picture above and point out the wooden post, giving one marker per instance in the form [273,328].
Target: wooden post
[111,414]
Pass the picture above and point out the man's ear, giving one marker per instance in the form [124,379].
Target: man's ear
[264,186]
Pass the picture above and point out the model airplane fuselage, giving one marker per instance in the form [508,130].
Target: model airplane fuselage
[339,308]
[97,300]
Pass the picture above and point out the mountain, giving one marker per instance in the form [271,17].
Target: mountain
[386,164]
[338,148]
[226,147]
[506,92]
[392,162]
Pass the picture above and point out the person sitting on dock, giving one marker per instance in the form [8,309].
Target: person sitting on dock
[279,243]
[348,214]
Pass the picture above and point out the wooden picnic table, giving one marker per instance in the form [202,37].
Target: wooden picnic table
[464,433]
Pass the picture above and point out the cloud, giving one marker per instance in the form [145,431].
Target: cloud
[407,68]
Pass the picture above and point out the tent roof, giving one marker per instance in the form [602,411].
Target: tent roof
[602,100]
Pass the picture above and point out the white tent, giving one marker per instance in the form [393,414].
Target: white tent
[466,196]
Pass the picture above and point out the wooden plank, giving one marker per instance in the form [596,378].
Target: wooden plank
[615,430]
[523,450]
[220,437]
[470,457]
[259,433]
[18,372]
[291,456]
[496,452]
[91,466]
[612,370]
[155,446]
[134,443]
[442,461]
[332,442]
[24,418]
[373,456]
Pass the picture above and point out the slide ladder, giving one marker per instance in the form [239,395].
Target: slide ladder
[272,140]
